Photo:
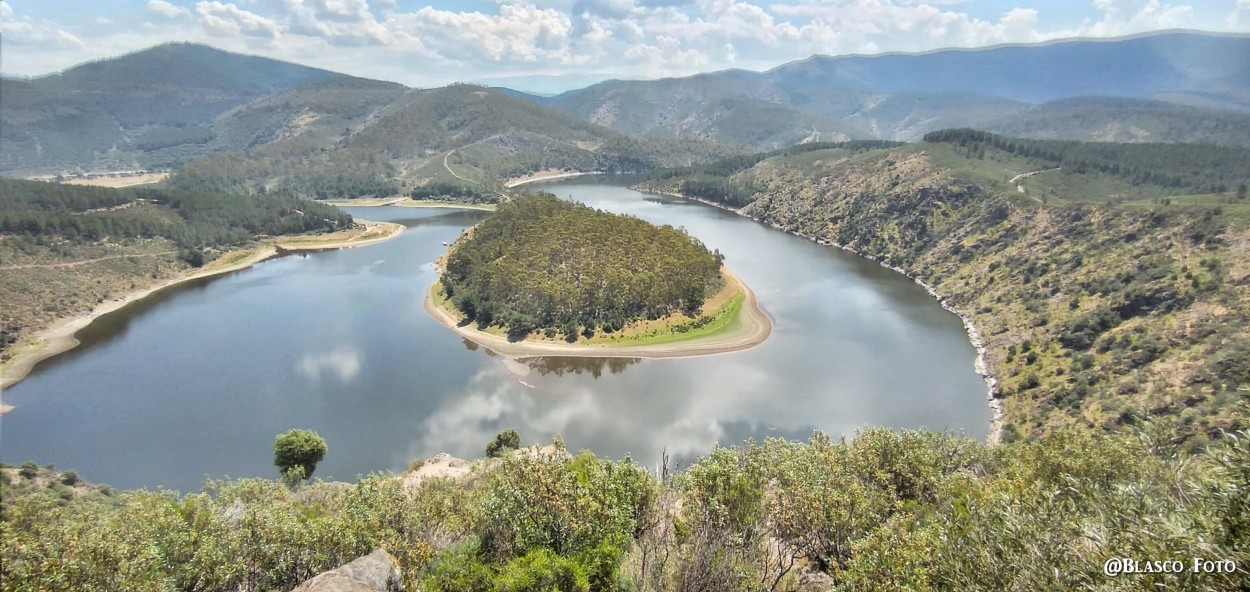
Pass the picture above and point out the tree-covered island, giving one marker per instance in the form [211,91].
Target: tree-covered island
[551,270]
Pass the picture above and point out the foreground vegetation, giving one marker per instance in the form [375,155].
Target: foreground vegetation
[888,510]
[1105,291]
[542,263]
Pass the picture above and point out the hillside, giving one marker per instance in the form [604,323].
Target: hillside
[112,114]
[1107,119]
[396,142]
[902,96]
[1104,291]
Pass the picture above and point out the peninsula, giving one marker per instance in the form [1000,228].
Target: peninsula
[548,277]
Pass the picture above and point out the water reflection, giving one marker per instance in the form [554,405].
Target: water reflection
[592,366]
[339,342]
[342,362]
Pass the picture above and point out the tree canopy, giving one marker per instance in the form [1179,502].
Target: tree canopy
[541,262]
[299,450]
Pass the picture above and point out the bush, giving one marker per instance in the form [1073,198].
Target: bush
[29,470]
[504,441]
[301,449]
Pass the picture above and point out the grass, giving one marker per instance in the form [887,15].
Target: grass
[724,319]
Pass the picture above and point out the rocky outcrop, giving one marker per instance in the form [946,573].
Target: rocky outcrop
[375,572]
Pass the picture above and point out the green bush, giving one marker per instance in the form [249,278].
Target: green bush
[504,441]
[299,449]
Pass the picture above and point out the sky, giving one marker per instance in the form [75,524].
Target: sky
[555,45]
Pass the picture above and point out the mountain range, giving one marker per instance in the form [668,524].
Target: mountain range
[259,124]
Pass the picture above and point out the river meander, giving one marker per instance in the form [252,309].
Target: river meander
[197,380]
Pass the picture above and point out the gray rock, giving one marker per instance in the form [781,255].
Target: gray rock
[375,572]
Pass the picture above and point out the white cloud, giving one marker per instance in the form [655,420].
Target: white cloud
[103,20]
[517,33]
[25,31]
[166,9]
[1121,17]
[343,363]
[230,20]
[1240,11]
[586,39]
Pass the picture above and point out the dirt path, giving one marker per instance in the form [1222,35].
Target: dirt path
[1023,175]
[448,166]
[551,176]
[753,328]
[83,262]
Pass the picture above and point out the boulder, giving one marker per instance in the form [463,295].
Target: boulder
[375,572]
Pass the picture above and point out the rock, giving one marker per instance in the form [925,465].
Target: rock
[816,581]
[375,572]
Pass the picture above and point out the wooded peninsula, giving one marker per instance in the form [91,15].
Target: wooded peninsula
[546,269]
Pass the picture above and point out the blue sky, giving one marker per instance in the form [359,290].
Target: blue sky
[552,45]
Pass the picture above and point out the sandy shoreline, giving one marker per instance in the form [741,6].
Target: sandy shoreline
[60,338]
[404,202]
[547,177]
[754,327]
[979,364]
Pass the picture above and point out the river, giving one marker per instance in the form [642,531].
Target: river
[196,381]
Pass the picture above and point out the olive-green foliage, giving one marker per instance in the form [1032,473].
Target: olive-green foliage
[885,510]
[568,505]
[299,450]
[542,262]
[1197,168]
[192,220]
[459,192]
[504,441]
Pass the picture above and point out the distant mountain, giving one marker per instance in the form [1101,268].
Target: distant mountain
[1136,67]
[109,113]
[902,96]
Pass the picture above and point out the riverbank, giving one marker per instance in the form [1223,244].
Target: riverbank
[750,328]
[546,176]
[980,364]
[60,337]
[405,202]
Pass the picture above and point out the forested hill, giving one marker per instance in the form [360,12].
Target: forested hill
[393,143]
[113,114]
[544,263]
[1106,290]
[65,249]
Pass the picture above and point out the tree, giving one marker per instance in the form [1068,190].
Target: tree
[299,449]
[504,441]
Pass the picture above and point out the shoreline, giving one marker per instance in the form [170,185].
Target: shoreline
[979,364]
[405,202]
[755,329]
[59,338]
[551,177]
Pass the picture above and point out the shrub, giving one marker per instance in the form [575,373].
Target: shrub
[301,449]
[504,441]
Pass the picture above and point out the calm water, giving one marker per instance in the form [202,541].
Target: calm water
[197,381]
